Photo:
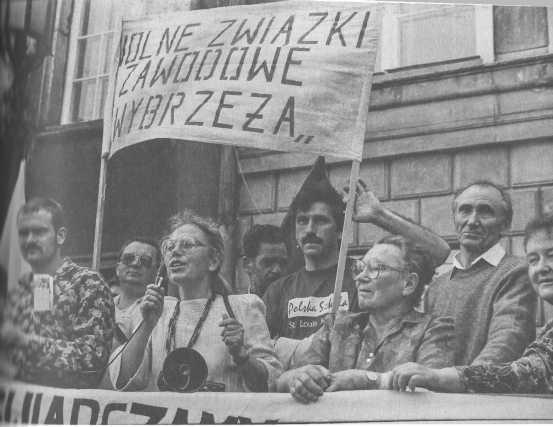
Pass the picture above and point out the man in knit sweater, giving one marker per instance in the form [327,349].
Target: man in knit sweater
[487,292]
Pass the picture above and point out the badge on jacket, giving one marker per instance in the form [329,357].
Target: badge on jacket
[43,292]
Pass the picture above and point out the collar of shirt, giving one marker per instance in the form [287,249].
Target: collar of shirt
[411,317]
[492,256]
[117,298]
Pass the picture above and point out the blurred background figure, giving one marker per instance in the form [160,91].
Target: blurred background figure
[58,323]
[139,259]
[265,256]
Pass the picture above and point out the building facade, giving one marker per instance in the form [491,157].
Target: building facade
[461,93]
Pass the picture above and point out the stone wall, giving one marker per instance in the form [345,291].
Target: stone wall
[430,134]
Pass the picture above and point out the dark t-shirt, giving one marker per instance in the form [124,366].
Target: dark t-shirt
[297,303]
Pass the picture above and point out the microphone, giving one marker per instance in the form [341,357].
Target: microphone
[161,278]
[160,282]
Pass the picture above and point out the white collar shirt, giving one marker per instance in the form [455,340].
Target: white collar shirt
[492,256]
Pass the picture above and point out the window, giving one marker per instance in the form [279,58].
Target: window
[90,53]
[519,28]
[91,45]
[414,34]
[91,49]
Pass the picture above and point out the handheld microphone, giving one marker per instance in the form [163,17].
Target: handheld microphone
[160,282]
[161,278]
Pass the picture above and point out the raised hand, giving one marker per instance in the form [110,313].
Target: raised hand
[151,306]
[233,337]
[367,206]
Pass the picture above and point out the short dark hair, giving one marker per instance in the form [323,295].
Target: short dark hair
[49,205]
[144,240]
[258,234]
[306,198]
[542,222]
[418,261]
[207,225]
[504,196]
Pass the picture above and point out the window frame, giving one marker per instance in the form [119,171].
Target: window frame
[72,63]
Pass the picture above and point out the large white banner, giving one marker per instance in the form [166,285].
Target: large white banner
[288,76]
[23,403]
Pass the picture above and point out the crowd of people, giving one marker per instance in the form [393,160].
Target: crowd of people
[175,324]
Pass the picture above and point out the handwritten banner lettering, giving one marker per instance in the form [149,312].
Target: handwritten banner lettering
[288,76]
[26,403]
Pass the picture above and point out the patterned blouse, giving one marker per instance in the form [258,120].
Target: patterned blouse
[532,373]
[69,345]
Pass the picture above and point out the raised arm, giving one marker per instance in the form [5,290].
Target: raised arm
[370,210]
[151,308]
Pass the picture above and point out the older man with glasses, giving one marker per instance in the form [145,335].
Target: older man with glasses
[353,352]
[138,261]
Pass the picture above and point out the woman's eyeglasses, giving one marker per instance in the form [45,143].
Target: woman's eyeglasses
[142,260]
[180,244]
[358,267]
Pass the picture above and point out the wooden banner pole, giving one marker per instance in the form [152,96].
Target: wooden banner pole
[97,249]
[359,137]
[106,149]
[346,233]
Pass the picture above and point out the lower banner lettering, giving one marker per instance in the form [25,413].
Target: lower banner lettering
[27,403]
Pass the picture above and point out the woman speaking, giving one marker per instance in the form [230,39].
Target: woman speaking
[206,339]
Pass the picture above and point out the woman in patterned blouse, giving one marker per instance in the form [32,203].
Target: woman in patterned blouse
[533,372]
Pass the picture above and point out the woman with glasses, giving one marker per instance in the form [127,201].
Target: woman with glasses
[388,331]
[204,331]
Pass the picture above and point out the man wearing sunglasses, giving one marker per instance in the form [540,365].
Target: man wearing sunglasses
[138,261]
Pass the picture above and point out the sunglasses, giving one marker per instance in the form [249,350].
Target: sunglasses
[358,267]
[142,260]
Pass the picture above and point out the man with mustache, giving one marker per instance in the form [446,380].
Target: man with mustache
[58,323]
[487,292]
[265,256]
[297,303]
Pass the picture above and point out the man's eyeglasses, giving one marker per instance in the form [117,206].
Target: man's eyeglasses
[358,267]
[142,260]
[181,244]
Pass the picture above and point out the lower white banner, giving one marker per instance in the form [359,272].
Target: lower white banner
[25,403]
